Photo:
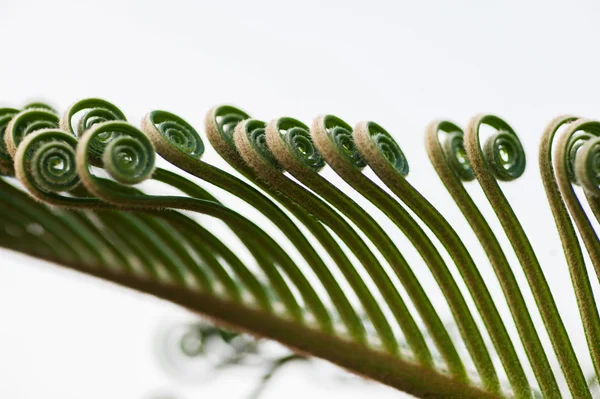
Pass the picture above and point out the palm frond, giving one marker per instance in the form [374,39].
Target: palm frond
[319,272]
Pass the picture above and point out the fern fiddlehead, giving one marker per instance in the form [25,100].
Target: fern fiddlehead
[330,129]
[42,184]
[574,164]
[96,111]
[163,253]
[335,139]
[586,167]
[384,156]
[104,191]
[274,182]
[66,178]
[93,111]
[292,144]
[452,166]
[269,172]
[25,122]
[220,124]
[46,166]
[44,163]
[109,229]
[179,143]
[121,168]
[40,105]
[503,158]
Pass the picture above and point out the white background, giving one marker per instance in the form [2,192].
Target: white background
[401,64]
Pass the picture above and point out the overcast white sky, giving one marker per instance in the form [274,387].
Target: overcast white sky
[401,64]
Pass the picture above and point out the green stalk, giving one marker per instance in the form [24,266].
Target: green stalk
[337,146]
[388,369]
[136,202]
[384,156]
[484,166]
[565,173]
[68,238]
[111,243]
[293,149]
[136,141]
[452,172]
[180,144]
[333,138]
[40,245]
[266,170]
[220,124]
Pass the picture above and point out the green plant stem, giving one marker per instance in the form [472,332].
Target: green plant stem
[258,242]
[520,243]
[577,268]
[376,234]
[113,244]
[186,234]
[176,242]
[195,237]
[304,214]
[595,207]
[45,244]
[338,224]
[147,229]
[198,239]
[197,192]
[136,239]
[194,166]
[457,250]
[220,249]
[404,375]
[153,244]
[231,217]
[508,282]
[160,250]
[228,152]
[68,238]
